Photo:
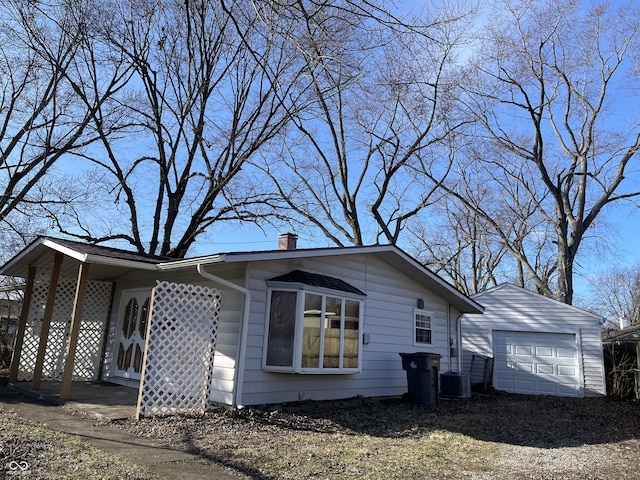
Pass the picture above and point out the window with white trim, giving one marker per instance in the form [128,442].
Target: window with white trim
[313,331]
[423,327]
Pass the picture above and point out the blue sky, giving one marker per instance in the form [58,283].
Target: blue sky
[622,231]
[620,226]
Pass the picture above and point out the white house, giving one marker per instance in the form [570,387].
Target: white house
[537,345]
[238,329]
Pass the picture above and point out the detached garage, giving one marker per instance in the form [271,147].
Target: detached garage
[530,344]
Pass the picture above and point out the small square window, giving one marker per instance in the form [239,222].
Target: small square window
[423,327]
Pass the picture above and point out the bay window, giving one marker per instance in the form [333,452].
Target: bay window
[313,330]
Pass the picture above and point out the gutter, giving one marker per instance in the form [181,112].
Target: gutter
[194,262]
[238,375]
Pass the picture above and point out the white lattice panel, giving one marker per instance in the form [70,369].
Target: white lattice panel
[180,347]
[53,365]
[34,324]
[95,311]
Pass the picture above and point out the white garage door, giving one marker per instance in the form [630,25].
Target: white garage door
[537,363]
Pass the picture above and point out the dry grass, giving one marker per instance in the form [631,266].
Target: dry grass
[489,437]
[37,452]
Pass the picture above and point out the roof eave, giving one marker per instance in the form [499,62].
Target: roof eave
[453,296]
[12,267]
[118,262]
[7,267]
[445,290]
[239,257]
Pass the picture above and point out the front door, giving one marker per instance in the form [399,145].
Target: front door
[131,334]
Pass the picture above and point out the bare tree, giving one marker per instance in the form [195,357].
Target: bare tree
[544,90]
[615,294]
[461,247]
[50,91]
[351,165]
[205,101]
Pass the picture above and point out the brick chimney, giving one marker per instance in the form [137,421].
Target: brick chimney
[287,241]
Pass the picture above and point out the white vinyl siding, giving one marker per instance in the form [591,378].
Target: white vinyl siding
[388,319]
[511,308]
[228,338]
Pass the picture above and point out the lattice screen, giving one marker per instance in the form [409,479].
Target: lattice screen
[94,315]
[34,324]
[179,351]
[95,310]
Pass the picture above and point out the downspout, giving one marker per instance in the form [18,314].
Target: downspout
[238,375]
[460,352]
[454,330]
[451,345]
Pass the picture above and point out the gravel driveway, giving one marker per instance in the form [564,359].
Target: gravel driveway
[497,436]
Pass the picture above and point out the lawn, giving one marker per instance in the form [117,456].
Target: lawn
[488,437]
[37,452]
[496,437]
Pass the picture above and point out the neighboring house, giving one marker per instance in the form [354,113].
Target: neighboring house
[287,324]
[538,345]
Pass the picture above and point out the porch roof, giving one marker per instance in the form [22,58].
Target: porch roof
[106,262]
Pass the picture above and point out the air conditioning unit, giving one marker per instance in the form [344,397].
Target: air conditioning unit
[455,385]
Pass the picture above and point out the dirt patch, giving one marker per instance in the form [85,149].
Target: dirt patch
[496,436]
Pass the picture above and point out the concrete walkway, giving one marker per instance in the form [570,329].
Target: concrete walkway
[102,400]
[165,462]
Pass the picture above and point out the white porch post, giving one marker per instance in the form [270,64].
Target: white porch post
[76,319]
[46,322]
[22,326]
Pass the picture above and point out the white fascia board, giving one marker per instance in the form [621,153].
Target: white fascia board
[238,257]
[441,282]
[306,253]
[117,262]
[97,259]
[69,252]
[11,263]
[33,246]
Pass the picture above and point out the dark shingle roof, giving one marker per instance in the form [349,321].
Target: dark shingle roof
[629,334]
[316,280]
[110,252]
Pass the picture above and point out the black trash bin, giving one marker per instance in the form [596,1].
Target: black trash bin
[422,376]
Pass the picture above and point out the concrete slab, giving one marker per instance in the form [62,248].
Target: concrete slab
[102,400]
